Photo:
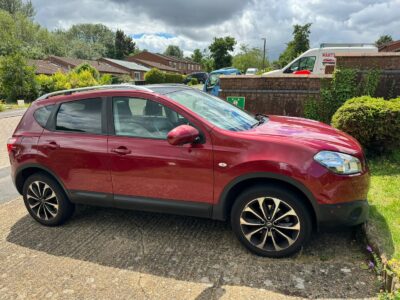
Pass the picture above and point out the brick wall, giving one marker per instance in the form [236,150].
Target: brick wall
[281,95]
[286,94]
[387,62]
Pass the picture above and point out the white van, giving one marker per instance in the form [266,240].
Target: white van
[315,60]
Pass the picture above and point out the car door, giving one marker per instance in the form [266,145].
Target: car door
[74,147]
[149,172]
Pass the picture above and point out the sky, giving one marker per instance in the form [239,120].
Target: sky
[155,24]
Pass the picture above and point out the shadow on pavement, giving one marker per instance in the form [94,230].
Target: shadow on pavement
[200,250]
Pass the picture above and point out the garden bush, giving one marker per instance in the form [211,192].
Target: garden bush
[173,78]
[374,122]
[154,76]
[193,81]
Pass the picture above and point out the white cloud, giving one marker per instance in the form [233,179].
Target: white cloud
[194,24]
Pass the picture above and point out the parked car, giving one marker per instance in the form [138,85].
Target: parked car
[200,76]
[212,85]
[314,60]
[251,71]
[174,149]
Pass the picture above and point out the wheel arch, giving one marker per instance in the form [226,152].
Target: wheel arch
[27,170]
[221,210]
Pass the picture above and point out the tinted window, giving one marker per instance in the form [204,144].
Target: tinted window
[80,116]
[42,114]
[144,118]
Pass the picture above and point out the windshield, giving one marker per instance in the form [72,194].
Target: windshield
[214,110]
[213,79]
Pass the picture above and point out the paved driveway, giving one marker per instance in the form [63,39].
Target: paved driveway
[113,254]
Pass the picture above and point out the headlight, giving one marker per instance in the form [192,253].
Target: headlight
[339,163]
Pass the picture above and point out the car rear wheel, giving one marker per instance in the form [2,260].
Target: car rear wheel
[46,201]
[271,221]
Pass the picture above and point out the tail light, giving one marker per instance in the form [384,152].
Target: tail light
[11,144]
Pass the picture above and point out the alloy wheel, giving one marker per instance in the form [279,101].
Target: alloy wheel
[42,200]
[270,224]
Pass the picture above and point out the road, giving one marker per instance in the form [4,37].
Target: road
[113,254]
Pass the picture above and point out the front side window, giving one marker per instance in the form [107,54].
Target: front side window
[216,111]
[304,63]
[80,116]
[144,118]
[307,63]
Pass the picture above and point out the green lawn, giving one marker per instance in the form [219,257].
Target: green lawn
[384,198]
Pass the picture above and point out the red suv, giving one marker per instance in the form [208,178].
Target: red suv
[174,149]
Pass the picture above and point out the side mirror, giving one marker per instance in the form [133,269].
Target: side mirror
[183,134]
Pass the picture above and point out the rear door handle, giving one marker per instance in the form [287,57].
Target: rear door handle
[52,145]
[121,150]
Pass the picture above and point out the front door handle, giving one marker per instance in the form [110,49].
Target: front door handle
[121,150]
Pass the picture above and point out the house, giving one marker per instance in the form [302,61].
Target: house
[152,64]
[70,63]
[45,67]
[390,47]
[135,70]
[166,63]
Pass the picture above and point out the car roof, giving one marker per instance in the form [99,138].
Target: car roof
[97,91]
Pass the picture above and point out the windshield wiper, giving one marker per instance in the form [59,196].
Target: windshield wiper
[261,118]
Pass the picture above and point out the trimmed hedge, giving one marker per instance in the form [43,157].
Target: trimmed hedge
[173,78]
[156,76]
[374,122]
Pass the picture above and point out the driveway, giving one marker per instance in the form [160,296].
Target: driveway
[114,254]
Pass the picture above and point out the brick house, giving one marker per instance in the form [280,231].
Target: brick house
[70,63]
[45,67]
[136,71]
[174,64]
[390,47]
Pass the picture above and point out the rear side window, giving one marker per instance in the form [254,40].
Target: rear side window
[42,114]
[80,116]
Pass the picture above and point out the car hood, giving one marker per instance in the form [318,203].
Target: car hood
[311,132]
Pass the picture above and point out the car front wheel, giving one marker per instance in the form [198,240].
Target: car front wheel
[271,221]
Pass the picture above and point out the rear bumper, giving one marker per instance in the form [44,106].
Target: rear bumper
[343,214]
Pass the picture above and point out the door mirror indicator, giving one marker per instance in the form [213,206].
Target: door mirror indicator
[183,134]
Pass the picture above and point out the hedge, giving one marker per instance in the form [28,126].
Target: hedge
[374,122]
[156,76]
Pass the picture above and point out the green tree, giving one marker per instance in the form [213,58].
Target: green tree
[17,6]
[89,41]
[248,58]
[298,45]
[17,79]
[383,39]
[197,56]
[124,46]
[220,51]
[20,34]
[173,50]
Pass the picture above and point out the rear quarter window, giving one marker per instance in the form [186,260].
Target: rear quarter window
[42,114]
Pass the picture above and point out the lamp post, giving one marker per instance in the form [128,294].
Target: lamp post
[263,63]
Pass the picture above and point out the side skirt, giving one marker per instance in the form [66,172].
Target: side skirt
[187,208]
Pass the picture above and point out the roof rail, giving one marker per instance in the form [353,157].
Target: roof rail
[93,88]
[325,45]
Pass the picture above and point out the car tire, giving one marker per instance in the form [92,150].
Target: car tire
[46,201]
[279,230]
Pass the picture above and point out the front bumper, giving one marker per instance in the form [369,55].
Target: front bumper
[343,214]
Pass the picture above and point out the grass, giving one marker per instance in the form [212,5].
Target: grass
[9,106]
[384,198]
